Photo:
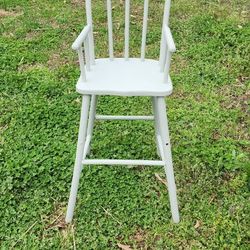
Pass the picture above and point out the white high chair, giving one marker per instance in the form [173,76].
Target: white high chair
[124,77]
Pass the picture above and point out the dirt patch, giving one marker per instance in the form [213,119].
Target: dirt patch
[180,94]
[5,13]
[139,237]
[56,221]
[48,23]
[56,60]
[77,2]
[242,132]
[30,67]
[32,35]
[236,95]
[8,35]
[62,56]
[57,218]
[54,24]
[178,64]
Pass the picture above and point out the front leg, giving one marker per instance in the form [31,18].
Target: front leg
[79,155]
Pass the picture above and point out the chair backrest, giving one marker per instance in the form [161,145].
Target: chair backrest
[126,32]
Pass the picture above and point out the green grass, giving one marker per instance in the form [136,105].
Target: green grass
[39,118]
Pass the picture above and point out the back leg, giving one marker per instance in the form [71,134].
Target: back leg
[92,113]
[167,157]
[156,123]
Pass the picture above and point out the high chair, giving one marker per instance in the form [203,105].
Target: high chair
[124,77]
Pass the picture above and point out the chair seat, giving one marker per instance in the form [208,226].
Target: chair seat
[122,77]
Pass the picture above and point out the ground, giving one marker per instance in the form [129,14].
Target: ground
[124,205]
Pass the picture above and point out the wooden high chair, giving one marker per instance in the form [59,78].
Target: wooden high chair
[124,77]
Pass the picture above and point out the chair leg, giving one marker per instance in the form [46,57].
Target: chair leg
[167,157]
[78,160]
[92,113]
[156,123]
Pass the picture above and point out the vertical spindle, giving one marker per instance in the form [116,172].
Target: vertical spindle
[163,40]
[91,37]
[110,30]
[167,66]
[144,29]
[81,61]
[127,8]
[87,54]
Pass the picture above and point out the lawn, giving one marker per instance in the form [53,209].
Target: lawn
[39,117]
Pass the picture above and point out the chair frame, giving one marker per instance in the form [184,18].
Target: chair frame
[89,103]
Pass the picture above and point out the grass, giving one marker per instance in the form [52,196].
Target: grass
[208,122]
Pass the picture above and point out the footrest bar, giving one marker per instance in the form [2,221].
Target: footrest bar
[123,162]
[121,117]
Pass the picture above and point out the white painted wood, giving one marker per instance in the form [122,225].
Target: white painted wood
[161,149]
[81,38]
[78,160]
[82,67]
[163,52]
[167,67]
[156,125]
[167,157]
[133,77]
[163,40]
[125,78]
[91,36]
[86,52]
[86,146]
[92,113]
[168,50]
[123,162]
[110,30]
[144,29]
[167,45]
[129,117]
[166,12]
[127,10]
[169,39]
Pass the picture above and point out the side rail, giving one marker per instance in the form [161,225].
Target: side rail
[169,49]
[82,43]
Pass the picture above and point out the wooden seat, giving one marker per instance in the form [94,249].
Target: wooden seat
[125,78]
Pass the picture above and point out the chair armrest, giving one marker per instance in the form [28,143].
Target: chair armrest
[169,39]
[81,38]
